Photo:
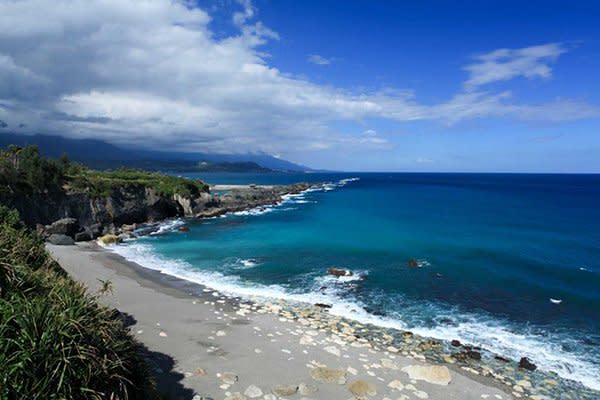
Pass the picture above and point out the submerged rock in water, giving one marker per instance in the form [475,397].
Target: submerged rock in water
[339,272]
[525,363]
[412,263]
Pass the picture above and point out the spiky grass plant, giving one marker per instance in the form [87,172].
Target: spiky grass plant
[56,340]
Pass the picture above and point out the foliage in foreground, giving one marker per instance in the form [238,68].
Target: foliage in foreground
[24,170]
[56,341]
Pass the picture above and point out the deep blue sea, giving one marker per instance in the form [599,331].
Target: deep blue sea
[510,262]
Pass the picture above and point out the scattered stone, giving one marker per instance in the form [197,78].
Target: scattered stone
[162,334]
[305,389]
[284,390]
[352,371]
[421,394]
[389,364]
[253,392]
[455,343]
[329,375]
[321,305]
[200,372]
[221,333]
[525,363]
[361,389]
[333,350]
[435,374]
[229,378]
[396,384]
[236,396]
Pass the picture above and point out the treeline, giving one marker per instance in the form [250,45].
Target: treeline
[56,340]
[24,170]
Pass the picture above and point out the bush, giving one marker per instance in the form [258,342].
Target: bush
[56,340]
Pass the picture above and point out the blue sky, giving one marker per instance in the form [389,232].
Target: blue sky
[353,85]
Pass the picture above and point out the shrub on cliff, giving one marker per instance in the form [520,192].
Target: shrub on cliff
[56,340]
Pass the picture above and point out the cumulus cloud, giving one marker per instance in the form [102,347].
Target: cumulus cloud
[318,60]
[152,73]
[505,64]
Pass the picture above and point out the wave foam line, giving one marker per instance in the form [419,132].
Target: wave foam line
[491,334]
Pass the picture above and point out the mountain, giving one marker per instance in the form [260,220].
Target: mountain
[100,154]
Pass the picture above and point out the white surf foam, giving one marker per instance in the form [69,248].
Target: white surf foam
[487,332]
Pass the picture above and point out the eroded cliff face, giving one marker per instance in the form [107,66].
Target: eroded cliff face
[135,204]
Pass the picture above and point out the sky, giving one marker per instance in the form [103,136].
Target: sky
[432,86]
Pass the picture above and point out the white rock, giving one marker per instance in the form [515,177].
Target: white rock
[253,391]
[436,374]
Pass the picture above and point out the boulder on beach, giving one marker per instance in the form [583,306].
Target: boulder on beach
[109,239]
[184,228]
[64,226]
[60,240]
[329,375]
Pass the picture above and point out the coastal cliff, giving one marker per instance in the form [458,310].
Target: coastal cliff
[61,198]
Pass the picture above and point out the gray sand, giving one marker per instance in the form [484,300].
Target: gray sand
[199,338]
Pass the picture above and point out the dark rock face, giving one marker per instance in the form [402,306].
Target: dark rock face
[60,239]
[339,272]
[84,217]
[525,363]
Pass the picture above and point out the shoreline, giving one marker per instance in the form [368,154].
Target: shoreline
[175,296]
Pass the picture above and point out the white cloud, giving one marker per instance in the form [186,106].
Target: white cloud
[506,64]
[152,73]
[240,17]
[318,60]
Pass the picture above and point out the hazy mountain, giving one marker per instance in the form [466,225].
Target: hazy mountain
[100,154]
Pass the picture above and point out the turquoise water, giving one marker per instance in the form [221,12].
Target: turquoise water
[493,250]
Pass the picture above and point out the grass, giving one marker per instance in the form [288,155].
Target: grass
[103,183]
[56,340]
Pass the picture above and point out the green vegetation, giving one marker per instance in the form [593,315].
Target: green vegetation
[24,170]
[56,341]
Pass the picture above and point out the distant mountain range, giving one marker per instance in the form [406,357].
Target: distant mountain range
[103,155]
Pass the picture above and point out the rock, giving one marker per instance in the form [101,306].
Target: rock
[109,239]
[525,363]
[200,372]
[329,375]
[236,396]
[184,229]
[305,389]
[284,390]
[386,363]
[339,272]
[60,240]
[455,343]
[435,374]
[500,358]
[467,355]
[333,350]
[321,305]
[229,378]
[64,226]
[84,236]
[412,263]
[253,391]
[396,384]
[361,389]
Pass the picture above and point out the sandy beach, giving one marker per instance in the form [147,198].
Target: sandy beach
[204,345]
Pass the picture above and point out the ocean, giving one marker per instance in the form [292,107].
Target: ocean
[509,262]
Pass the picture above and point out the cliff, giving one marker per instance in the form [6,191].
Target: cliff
[65,199]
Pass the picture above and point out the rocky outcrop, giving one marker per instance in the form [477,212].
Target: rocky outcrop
[82,216]
[60,239]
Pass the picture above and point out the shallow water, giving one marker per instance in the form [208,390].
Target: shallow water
[492,250]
